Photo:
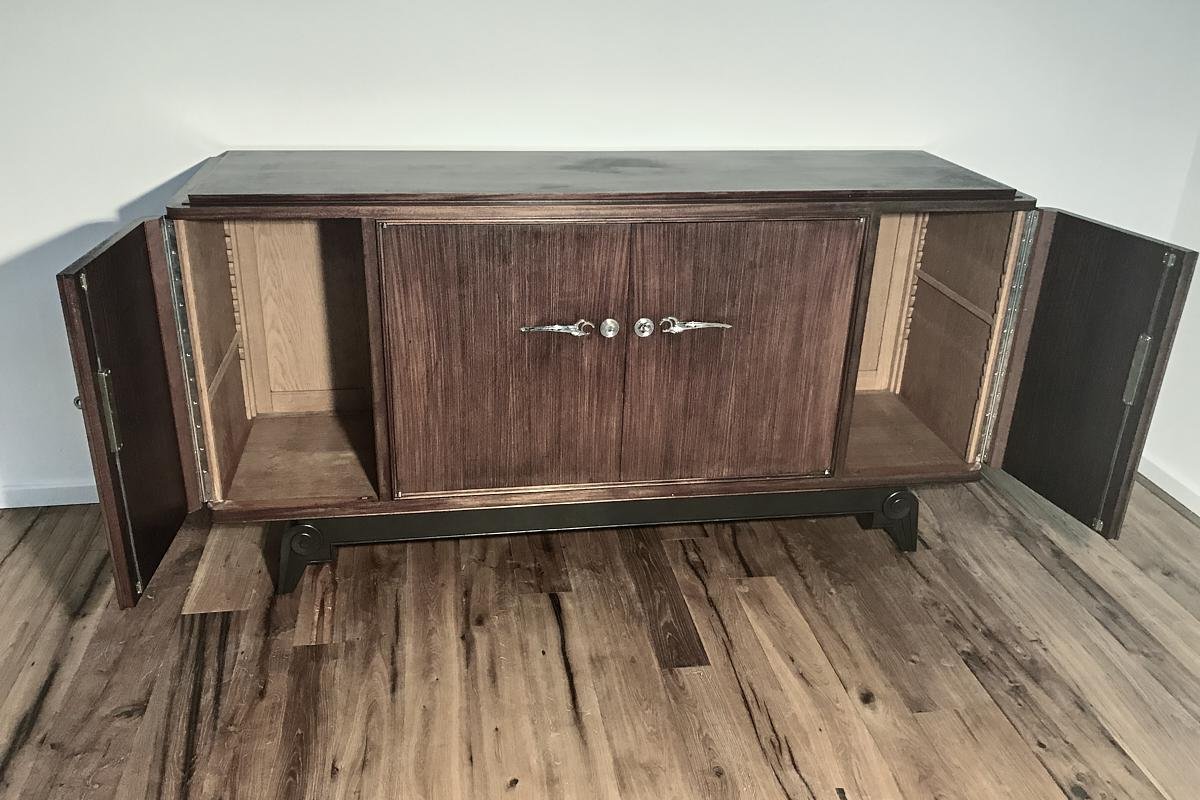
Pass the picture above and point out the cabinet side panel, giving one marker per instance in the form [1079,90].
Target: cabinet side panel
[943,369]
[965,252]
[305,312]
[217,344]
[887,306]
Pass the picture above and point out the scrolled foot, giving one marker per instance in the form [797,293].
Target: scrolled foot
[302,544]
[899,518]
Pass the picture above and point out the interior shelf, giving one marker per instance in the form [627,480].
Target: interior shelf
[316,456]
[887,439]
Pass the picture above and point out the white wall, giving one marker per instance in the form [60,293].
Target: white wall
[1172,455]
[1090,106]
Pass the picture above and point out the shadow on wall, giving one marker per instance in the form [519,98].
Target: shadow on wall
[43,454]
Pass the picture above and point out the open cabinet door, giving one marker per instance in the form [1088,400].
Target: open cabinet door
[1101,310]
[125,350]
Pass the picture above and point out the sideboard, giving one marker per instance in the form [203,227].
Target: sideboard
[382,345]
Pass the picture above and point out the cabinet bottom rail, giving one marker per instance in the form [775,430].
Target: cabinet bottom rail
[312,541]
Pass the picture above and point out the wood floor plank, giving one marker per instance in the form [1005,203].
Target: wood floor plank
[246,756]
[14,528]
[1144,716]
[1164,545]
[1055,721]
[433,743]
[1132,607]
[766,726]
[232,572]
[539,562]
[672,631]
[945,733]
[38,668]
[846,756]
[1015,656]
[371,581]
[185,714]
[632,698]
[501,743]
[723,762]
[84,752]
[841,613]
[572,744]
[34,570]
[321,592]
[368,708]
[303,768]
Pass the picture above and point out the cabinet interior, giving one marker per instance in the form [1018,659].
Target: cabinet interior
[279,330]
[931,338]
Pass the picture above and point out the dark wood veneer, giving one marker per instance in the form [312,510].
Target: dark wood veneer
[478,404]
[760,398]
[305,177]
[112,299]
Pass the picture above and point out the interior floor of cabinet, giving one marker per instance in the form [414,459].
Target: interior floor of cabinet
[306,457]
[886,438]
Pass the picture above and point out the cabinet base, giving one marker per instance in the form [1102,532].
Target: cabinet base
[307,542]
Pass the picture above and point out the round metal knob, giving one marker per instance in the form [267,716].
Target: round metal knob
[78,401]
[609,328]
[644,327]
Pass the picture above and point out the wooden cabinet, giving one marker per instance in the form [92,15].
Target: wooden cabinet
[388,345]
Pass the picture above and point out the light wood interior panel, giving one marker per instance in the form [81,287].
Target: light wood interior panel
[308,457]
[885,434]
[216,342]
[303,303]
[934,323]
[897,252]
[993,354]
[947,347]
[964,256]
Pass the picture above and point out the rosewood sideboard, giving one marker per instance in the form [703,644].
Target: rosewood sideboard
[377,346]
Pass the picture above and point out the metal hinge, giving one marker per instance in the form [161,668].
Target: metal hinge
[1137,369]
[1008,332]
[108,410]
[187,356]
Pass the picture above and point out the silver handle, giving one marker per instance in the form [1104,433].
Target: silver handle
[673,325]
[580,328]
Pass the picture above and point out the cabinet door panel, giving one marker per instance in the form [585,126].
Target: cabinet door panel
[476,403]
[1080,406]
[116,302]
[760,398]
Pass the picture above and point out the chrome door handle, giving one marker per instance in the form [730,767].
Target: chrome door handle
[580,328]
[673,325]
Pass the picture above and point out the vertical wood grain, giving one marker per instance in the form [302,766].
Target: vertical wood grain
[477,403]
[761,398]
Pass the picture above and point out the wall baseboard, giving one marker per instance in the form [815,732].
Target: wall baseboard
[21,495]
[1169,485]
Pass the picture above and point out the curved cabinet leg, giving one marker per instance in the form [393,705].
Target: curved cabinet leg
[302,544]
[898,516]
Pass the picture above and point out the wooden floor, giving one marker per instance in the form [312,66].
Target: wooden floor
[1016,655]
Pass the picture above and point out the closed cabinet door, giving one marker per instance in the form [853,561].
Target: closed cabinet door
[499,374]
[741,372]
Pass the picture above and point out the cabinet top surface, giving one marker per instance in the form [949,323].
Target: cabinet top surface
[265,177]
